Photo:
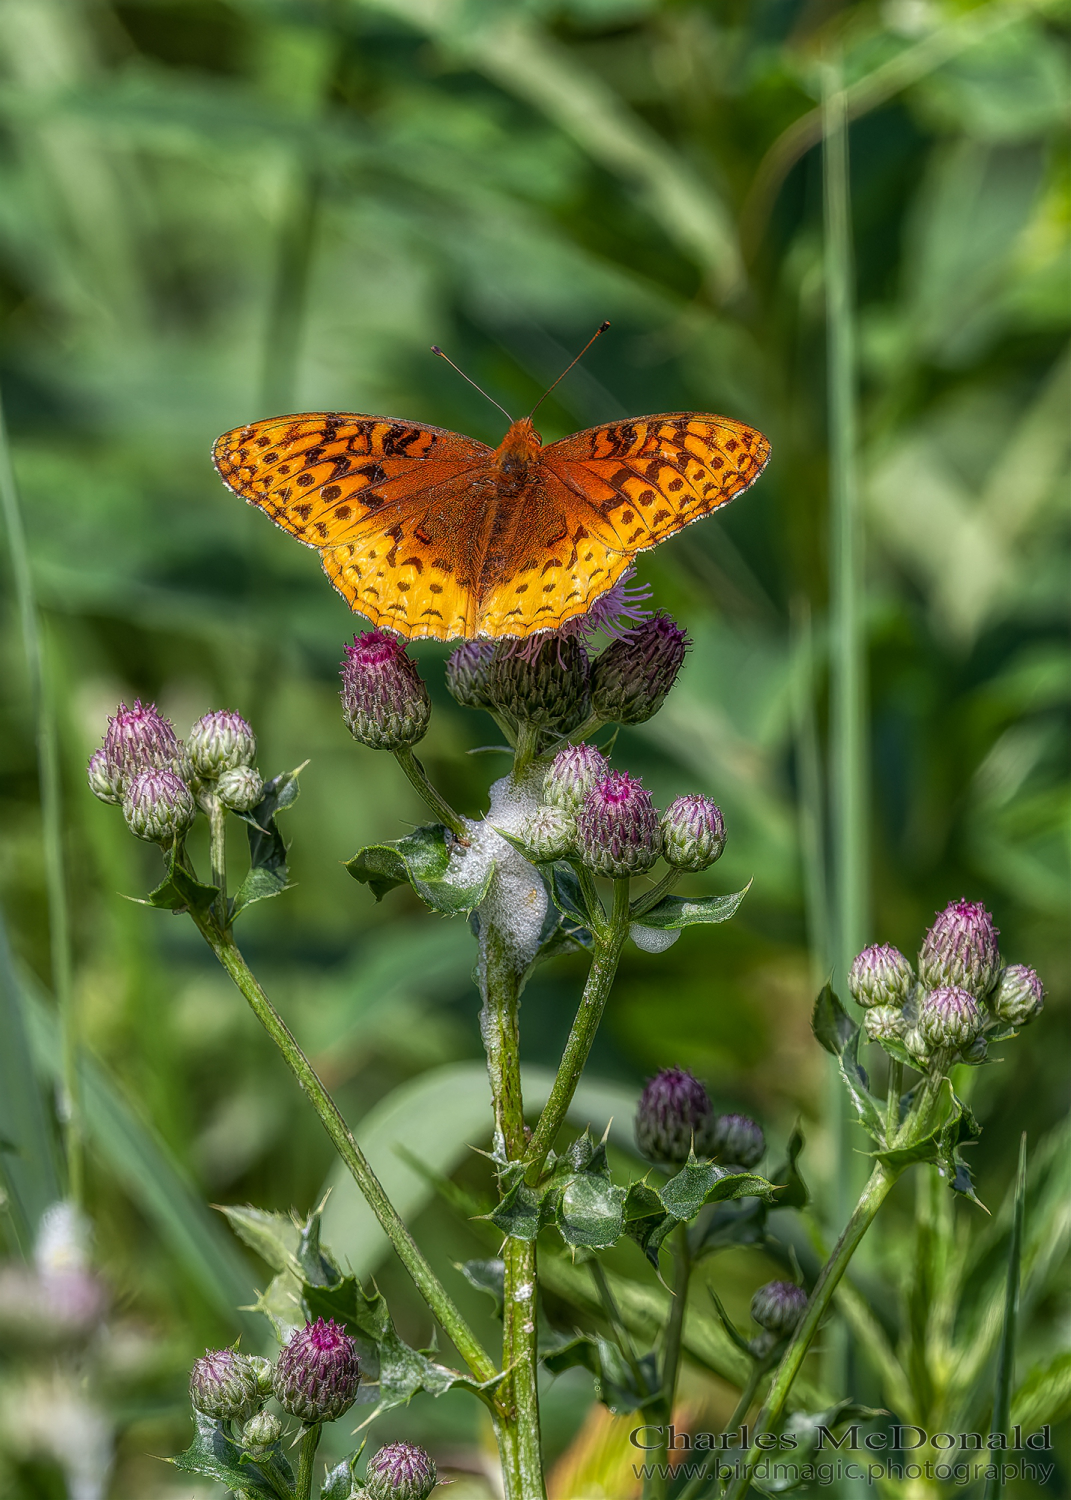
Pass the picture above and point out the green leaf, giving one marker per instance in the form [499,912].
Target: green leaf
[179,890]
[268,873]
[1045,1394]
[340,1482]
[487,1276]
[831,1023]
[701,1182]
[275,1237]
[858,1086]
[590,1211]
[566,892]
[213,1455]
[523,1211]
[960,1129]
[792,1191]
[645,1220]
[674,912]
[433,862]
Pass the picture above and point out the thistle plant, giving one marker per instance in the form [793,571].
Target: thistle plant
[564,860]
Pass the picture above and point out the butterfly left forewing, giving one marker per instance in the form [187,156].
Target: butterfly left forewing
[328,477]
[637,482]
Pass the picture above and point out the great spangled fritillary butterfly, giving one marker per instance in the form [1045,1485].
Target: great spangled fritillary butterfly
[429,533]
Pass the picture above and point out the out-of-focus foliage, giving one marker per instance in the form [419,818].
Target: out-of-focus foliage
[212,210]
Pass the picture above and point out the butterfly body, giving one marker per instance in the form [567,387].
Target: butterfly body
[430,533]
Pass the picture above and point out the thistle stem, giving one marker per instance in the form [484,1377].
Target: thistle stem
[217,830]
[435,800]
[892,1101]
[608,945]
[427,1283]
[310,1441]
[655,1487]
[646,903]
[743,1406]
[873,1196]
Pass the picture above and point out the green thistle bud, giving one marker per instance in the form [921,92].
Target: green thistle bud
[737,1140]
[885,1023]
[240,789]
[219,741]
[384,701]
[400,1471]
[550,833]
[1018,997]
[223,1386]
[630,679]
[881,975]
[467,672]
[617,830]
[261,1432]
[778,1307]
[573,773]
[949,1017]
[102,781]
[693,833]
[917,1045]
[543,682]
[158,806]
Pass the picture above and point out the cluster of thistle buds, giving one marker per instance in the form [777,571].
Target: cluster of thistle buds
[675,1120]
[961,997]
[550,685]
[160,782]
[314,1379]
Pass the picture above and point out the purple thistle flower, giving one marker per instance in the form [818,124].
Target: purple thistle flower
[545,684]
[400,1471]
[881,975]
[573,773]
[949,1017]
[616,613]
[220,741]
[384,701]
[224,1385]
[737,1140]
[674,1113]
[317,1373]
[693,833]
[1019,996]
[961,950]
[630,679]
[138,739]
[158,806]
[778,1307]
[467,671]
[617,830]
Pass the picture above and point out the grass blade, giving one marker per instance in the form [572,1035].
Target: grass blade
[1001,1420]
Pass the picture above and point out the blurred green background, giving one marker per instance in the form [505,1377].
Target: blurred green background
[217,210]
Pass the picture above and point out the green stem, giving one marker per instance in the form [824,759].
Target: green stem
[892,1100]
[743,1406]
[217,827]
[427,1283]
[608,945]
[873,1196]
[616,1321]
[310,1441]
[435,800]
[50,792]
[655,1487]
[528,737]
[517,1426]
[646,903]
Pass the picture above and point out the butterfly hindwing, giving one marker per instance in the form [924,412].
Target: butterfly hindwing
[641,480]
[327,476]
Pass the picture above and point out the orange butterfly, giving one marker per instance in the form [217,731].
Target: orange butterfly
[429,533]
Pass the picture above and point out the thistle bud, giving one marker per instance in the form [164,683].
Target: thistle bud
[384,701]
[693,833]
[545,684]
[101,781]
[630,679]
[157,806]
[261,1431]
[1019,995]
[737,1140]
[467,672]
[881,975]
[219,741]
[617,830]
[778,1307]
[949,1017]
[960,950]
[885,1023]
[917,1045]
[400,1471]
[223,1385]
[240,789]
[674,1114]
[573,773]
[550,834]
[317,1373]
[139,739]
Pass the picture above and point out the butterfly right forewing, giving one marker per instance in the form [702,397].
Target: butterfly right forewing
[330,477]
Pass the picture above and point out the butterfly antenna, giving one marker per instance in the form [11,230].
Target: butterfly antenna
[601,329]
[436,350]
